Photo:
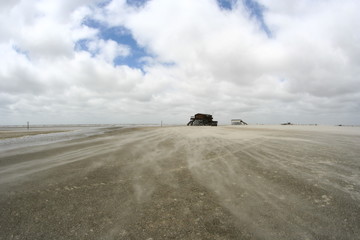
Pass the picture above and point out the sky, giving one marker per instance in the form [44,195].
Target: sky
[147,61]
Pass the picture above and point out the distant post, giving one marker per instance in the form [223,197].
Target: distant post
[161,124]
[28,126]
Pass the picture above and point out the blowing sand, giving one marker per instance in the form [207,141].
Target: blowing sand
[244,182]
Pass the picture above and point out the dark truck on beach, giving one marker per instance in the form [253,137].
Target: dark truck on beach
[201,119]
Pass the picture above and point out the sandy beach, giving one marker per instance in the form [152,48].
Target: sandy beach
[225,182]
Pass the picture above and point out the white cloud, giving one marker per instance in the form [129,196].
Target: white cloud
[108,50]
[319,38]
[217,61]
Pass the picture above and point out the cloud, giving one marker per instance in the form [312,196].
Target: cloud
[320,43]
[195,56]
[108,50]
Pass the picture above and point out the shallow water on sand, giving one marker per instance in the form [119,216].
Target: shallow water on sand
[49,134]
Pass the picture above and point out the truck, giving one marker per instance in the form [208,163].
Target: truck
[202,119]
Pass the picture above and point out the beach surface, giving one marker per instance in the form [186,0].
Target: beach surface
[225,182]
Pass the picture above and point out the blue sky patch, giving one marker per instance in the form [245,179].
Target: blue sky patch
[21,51]
[136,3]
[82,45]
[226,4]
[103,3]
[121,35]
[255,9]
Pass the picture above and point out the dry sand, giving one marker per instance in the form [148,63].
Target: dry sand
[245,182]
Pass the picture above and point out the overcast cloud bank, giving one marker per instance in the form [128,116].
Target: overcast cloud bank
[141,62]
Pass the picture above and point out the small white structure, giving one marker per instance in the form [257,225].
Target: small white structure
[238,122]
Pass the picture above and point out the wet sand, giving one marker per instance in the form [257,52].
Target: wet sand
[16,134]
[241,182]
